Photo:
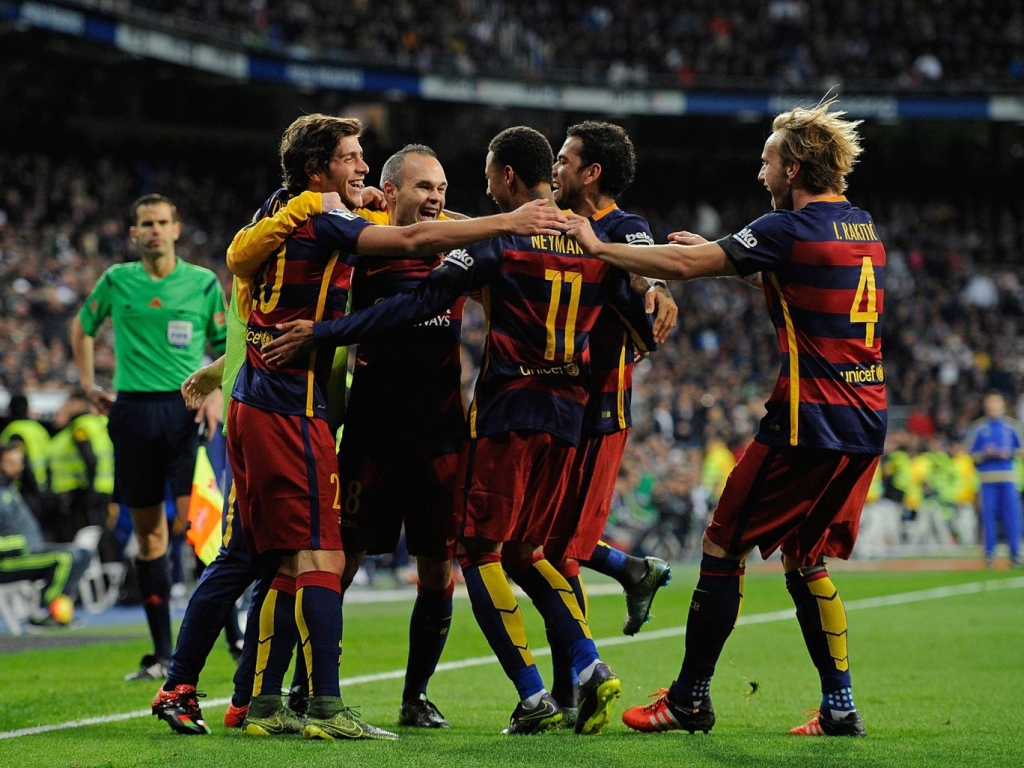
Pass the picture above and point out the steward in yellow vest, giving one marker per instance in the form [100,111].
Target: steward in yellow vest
[34,439]
[81,461]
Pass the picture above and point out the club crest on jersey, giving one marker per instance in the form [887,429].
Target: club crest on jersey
[746,237]
[639,238]
[343,213]
[459,257]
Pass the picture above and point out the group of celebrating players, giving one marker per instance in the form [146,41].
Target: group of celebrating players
[517,486]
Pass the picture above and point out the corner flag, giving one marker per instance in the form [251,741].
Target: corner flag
[204,510]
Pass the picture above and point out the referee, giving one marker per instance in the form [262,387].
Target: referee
[165,312]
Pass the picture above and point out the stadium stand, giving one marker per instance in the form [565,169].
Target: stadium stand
[955,302]
[954,324]
[880,47]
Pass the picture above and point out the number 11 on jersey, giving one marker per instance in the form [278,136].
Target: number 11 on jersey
[575,281]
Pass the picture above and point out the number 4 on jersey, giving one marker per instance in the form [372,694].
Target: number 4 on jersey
[869,315]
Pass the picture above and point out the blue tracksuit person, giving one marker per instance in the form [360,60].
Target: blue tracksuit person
[995,444]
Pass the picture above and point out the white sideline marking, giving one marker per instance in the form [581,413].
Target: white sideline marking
[902,598]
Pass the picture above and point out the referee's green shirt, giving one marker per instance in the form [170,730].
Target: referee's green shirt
[161,327]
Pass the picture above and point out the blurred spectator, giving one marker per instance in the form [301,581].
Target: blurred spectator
[81,467]
[34,439]
[26,555]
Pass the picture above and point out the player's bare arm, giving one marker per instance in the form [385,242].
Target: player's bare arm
[201,383]
[203,394]
[660,301]
[669,262]
[692,238]
[537,217]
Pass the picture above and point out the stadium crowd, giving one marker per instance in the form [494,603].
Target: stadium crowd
[959,44]
[954,306]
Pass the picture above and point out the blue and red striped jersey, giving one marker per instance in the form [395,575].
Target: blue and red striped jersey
[823,270]
[407,381]
[541,296]
[307,279]
[612,347]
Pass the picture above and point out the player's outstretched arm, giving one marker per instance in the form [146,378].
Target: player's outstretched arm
[692,238]
[537,217]
[669,262]
[433,295]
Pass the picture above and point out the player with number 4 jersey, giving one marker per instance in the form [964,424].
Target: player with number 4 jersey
[801,484]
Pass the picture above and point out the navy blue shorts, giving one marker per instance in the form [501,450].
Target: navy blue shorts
[155,439]
[381,492]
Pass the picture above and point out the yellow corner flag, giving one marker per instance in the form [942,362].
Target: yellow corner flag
[204,510]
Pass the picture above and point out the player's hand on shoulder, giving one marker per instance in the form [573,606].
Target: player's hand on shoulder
[579,227]
[537,217]
[686,238]
[331,201]
[374,199]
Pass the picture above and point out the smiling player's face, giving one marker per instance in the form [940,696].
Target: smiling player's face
[566,174]
[346,173]
[422,194]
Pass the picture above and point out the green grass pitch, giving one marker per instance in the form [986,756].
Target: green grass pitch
[937,660]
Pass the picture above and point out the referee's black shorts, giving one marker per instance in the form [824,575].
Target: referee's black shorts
[155,440]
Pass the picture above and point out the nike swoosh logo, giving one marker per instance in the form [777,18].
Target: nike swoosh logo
[547,711]
[376,270]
